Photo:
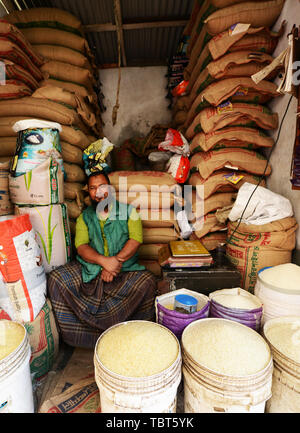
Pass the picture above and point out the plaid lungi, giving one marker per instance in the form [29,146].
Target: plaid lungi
[84,310]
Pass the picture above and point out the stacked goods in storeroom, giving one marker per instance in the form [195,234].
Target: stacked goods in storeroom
[20,75]
[153,193]
[67,94]
[223,114]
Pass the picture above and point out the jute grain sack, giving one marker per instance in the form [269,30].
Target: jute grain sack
[43,35]
[139,180]
[14,89]
[36,17]
[201,41]
[74,173]
[180,118]
[73,191]
[6,207]
[239,159]
[217,182]
[151,266]
[70,153]
[65,72]
[13,34]
[8,146]
[238,89]
[63,54]
[12,52]
[258,14]
[235,136]
[159,235]
[44,341]
[163,217]
[207,224]
[41,186]
[71,87]
[253,39]
[201,207]
[224,3]
[39,108]
[72,227]
[214,118]
[204,12]
[253,247]
[58,94]
[240,37]
[73,209]
[74,136]
[149,251]
[14,71]
[193,17]
[212,240]
[236,64]
[146,200]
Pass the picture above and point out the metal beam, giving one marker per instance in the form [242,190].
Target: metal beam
[109,27]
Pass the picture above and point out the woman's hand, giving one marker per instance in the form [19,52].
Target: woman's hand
[111,265]
[106,276]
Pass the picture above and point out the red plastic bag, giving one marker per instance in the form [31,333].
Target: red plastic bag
[175,142]
[180,89]
[179,167]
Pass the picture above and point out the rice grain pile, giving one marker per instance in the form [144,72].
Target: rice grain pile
[137,349]
[237,301]
[11,336]
[285,337]
[285,276]
[226,347]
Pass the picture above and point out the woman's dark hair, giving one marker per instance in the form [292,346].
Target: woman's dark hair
[99,173]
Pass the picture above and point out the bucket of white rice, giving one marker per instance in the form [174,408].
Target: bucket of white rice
[227,367]
[283,336]
[238,305]
[138,368]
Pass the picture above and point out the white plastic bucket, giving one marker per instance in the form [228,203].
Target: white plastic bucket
[152,394]
[286,376]
[16,394]
[277,301]
[206,391]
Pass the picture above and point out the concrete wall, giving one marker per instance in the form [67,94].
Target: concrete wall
[281,158]
[142,101]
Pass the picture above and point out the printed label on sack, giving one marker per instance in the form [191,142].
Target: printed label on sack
[18,300]
[235,29]
[233,178]
[243,91]
[225,107]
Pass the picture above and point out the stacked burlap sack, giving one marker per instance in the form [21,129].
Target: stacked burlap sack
[154,195]
[67,97]
[223,114]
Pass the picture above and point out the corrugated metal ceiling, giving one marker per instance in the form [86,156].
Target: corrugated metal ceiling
[142,46]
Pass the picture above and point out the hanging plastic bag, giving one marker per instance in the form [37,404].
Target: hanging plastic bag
[180,89]
[94,157]
[175,142]
[179,167]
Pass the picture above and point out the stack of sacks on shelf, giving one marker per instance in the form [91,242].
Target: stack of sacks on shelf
[223,114]
[20,75]
[67,94]
[20,68]
[149,191]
